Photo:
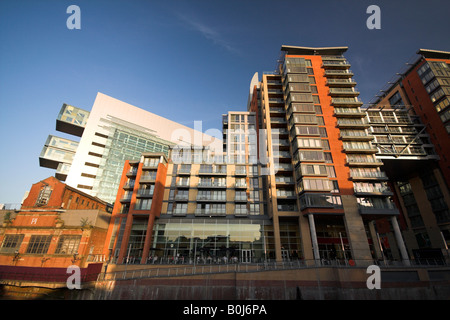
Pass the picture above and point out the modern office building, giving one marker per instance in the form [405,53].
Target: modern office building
[410,119]
[112,132]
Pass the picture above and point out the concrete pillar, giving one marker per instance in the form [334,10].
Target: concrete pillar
[376,244]
[276,235]
[125,238]
[148,238]
[356,233]
[400,243]
[306,244]
[315,244]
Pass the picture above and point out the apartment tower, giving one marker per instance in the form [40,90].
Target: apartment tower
[324,176]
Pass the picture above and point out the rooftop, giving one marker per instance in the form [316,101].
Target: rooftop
[314,51]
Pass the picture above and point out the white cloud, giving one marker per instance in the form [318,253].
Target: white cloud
[208,32]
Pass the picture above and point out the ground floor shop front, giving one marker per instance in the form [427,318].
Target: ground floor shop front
[213,241]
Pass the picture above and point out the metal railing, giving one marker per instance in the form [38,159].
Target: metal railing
[176,269]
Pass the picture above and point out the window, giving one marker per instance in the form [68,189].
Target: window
[311,169]
[306,130]
[320,201]
[310,155]
[11,243]
[179,208]
[151,162]
[44,196]
[39,244]
[315,184]
[308,143]
[68,244]
[254,208]
[143,204]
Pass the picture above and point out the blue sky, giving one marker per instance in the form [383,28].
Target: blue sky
[183,60]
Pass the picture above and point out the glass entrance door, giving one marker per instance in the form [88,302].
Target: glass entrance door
[246,256]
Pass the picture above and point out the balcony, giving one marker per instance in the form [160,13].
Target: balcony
[144,193]
[128,185]
[349,113]
[363,176]
[282,154]
[213,171]
[148,178]
[201,198]
[126,198]
[210,212]
[341,83]
[343,92]
[279,132]
[240,185]
[240,199]
[131,173]
[352,123]
[353,102]
[287,207]
[338,73]
[211,185]
[278,121]
[181,197]
[353,137]
[335,64]
[276,101]
[381,191]
[241,212]
[358,149]
[273,83]
[277,111]
[179,212]
[364,163]
[388,209]
[284,180]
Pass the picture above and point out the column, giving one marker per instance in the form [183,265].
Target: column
[400,243]
[315,244]
[376,243]
[125,238]
[148,238]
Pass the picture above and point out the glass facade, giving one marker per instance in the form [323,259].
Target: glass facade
[73,115]
[216,241]
[123,144]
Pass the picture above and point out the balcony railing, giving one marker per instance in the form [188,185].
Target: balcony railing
[211,185]
[241,212]
[368,175]
[210,212]
[388,209]
[381,190]
[283,207]
[211,198]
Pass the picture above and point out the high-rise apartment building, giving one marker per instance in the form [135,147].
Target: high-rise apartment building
[190,210]
[411,123]
[112,132]
[324,177]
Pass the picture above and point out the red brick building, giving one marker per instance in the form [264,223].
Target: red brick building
[57,226]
